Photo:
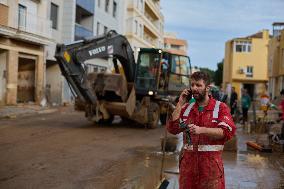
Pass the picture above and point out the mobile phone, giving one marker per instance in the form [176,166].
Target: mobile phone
[189,96]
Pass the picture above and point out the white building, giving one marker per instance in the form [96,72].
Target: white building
[143,24]
[71,20]
[24,33]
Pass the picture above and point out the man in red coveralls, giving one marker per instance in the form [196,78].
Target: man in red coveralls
[207,124]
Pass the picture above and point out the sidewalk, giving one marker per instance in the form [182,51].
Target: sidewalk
[12,112]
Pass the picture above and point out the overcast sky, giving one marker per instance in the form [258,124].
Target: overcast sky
[208,24]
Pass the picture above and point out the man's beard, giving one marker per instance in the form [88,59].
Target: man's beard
[200,97]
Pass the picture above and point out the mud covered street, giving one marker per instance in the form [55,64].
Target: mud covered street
[63,150]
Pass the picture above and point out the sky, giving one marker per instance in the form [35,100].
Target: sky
[208,24]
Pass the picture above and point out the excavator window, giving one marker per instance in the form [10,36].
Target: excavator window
[163,79]
[148,65]
[179,76]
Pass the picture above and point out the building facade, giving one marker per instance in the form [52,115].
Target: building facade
[24,33]
[175,45]
[143,24]
[276,61]
[28,38]
[71,20]
[108,16]
[245,64]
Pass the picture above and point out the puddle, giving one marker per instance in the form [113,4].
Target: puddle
[243,170]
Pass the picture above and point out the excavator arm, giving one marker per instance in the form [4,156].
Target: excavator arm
[71,58]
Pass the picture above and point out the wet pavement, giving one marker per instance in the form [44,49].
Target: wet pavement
[245,169]
[63,150]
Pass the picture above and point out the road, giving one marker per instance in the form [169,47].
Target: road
[63,150]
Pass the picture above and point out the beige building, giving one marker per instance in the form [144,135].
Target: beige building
[143,24]
[276,60]
[175,45]
[30,30]
[24,32]
[245,64]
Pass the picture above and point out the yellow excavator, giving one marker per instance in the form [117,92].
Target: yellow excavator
[141,92]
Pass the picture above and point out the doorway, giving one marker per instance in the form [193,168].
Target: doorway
[26,80]
[3,75]
[250,89]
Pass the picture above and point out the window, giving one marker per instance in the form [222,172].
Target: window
[136,27]
[141,31]
[98,28]
[147,70]
[179,77]
[249,72]
[114,9]
[106,5]
[105,30]
[282,57]
[175,46]
[22,16]
[141,2]
[242,46]
[54,15]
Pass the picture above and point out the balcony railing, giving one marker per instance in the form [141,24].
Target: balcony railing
[34,24]
[81,32]
[88,5]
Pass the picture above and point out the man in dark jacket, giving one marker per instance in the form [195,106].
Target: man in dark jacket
[233,101]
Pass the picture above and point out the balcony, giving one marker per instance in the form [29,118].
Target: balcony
[88,5]
[82,32]
[150,37]
[153,9]
[34,24]
[27,27]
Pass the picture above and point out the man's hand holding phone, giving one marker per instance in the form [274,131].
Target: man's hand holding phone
[185,96]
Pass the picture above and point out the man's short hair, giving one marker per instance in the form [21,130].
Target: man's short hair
[282,92]
[201,76]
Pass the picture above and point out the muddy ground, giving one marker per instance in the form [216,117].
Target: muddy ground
[64,150]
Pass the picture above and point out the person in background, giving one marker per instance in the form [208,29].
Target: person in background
[222,95]
[233,101]
[206,125]
[281,107]
[245,102]
[214,92]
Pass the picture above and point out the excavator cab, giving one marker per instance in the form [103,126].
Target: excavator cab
[161,73]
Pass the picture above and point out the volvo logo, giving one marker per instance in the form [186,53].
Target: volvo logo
[97,50]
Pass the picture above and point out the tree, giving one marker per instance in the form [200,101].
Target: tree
[218,75]
[211,73]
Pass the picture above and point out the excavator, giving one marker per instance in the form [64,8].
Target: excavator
[139,91]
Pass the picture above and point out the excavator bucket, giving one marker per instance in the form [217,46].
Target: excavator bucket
[108,85]
[115,95]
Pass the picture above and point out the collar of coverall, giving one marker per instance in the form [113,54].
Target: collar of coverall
[210,106]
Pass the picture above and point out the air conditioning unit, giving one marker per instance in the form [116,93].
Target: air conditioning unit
[241,70]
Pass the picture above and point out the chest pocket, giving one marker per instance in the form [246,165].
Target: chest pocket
[190,106]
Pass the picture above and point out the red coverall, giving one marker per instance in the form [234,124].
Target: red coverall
[201,165]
